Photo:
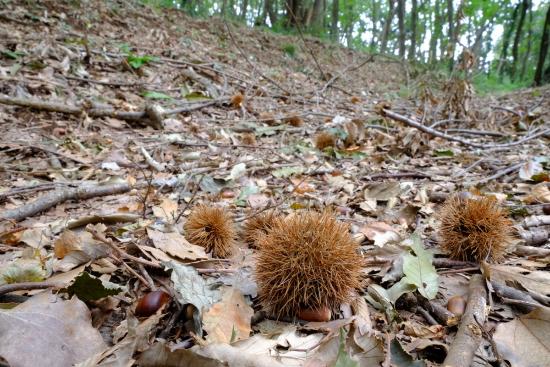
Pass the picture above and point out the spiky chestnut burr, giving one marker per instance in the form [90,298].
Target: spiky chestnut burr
[211,228]
[324,140]
[258,226]
[307,262]
[474,229]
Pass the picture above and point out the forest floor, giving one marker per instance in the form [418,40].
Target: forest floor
[118,120]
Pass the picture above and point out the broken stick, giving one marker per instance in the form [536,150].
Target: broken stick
[469,334]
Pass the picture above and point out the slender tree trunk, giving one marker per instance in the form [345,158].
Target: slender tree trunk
[529,43]
[524,5]
[387,26]
[269,7]
[349,25]
[401,23]
[544,42]
[450,24]
[454,35]
[478,42]
[436,33]
[294,13]
[314,14]
[244,8]
[374,29]
[334,21]
[506,42]
[414,19]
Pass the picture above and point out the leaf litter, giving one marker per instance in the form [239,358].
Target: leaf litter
[115,130]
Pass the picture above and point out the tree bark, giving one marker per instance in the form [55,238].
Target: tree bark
[524,6]
[450,24]
[335,16]
[436,33]
[387,26]
[414,19]
[401,24]
[244,8]
[454,35]
[529,43]
[544,42]
[374,29]
[506,42]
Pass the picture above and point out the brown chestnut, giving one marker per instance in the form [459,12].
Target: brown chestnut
[546,209]
[456,305]
[151,302]
[321,315]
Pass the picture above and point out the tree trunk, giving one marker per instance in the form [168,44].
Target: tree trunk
[374,28]
[414,19]
[349,25]
[314,14]
[450,24]
[387,26]
[544,42]
[524,5]
[335,16]
[401,24]
[506,42]
[270,10]
[294,16]
[244,8]
[454,35]
[529,43]
[436,33]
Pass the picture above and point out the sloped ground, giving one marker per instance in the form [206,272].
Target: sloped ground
[237,118]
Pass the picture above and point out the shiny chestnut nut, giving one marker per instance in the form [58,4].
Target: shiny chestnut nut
[546,209]
[151,303]
[320,315]
[456,305]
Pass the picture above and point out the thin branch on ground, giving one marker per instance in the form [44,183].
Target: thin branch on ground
[469,334]
[439,134]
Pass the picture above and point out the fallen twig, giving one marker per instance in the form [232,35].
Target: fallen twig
[137,116]
[469,334]
[26,286]
[53,198]
[439,134]
[138,260]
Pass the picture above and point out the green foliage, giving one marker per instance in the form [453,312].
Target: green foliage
[155,95]
[490,84]
[289,49]
[135,61]
[12,54]
[89,288]
[343,359]
[360,25]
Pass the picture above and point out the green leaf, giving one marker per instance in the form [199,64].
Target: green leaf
[155,95]
[419,270]
[196,96]
[444,153]
[287,171]
[399,289]
[245,193]
[13,54]
[268,130]
[29,271]
[343,359]
[89,288]
[136,61]
[400,358]
[233,335]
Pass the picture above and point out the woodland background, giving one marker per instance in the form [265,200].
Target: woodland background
[509,39]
